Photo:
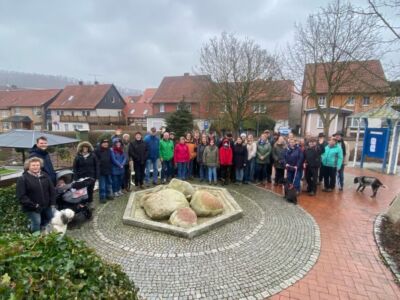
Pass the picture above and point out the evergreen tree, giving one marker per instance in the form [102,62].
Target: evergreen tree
[180,121]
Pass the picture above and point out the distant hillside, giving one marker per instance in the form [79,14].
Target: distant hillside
[12,79]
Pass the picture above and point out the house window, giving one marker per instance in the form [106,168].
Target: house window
[4,114]
[57,126]
[320,124]
[77,126]
[162,107]
[350,101]
[119,113]
[184,106]
[6,125]
[60,112]
[85,113]
[66,127]
[259,108]
[353,122]
[72,113]
[36,111]
[366,101]
[17,110]
[322,101]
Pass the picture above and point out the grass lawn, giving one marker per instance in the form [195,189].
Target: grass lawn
[4,171]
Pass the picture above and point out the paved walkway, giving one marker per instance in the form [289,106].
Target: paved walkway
[349,265]
[272,246]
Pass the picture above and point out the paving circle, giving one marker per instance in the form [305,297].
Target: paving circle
[272,246]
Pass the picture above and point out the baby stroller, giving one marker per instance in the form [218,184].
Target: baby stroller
[73,194]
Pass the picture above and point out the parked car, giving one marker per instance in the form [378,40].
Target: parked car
[284,130]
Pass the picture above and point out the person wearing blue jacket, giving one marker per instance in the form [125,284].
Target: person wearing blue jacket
[153,146]
[118,159]
[332,160]
[294,158]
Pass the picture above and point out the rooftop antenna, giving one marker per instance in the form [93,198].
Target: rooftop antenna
[95,77]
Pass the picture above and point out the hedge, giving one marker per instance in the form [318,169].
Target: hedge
[12,219]
[54,267]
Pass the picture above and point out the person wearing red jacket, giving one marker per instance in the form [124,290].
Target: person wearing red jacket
[225,160]
[181,158]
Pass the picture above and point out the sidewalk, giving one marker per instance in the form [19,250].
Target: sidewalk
[349,266]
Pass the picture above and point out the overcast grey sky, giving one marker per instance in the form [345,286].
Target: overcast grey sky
[134,43]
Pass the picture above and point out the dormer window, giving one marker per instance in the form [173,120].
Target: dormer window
[70,98]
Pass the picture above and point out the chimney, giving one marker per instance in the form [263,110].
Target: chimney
[185,74]
[80,82]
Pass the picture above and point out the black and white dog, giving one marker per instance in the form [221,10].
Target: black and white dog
[60,221]
[364,181]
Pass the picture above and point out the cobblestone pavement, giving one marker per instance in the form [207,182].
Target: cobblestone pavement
[270,248]
[349,266]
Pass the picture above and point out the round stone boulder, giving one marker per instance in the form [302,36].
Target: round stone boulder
[162,204]
[183,217]
[206,204]
[182,186]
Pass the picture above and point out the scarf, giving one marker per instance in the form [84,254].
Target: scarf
[118,150]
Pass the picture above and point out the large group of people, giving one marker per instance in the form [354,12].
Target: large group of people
[212,159]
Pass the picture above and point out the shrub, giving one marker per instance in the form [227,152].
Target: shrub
[56,267]
[12,219]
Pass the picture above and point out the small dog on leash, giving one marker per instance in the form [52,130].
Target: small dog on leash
[364,181]
[290,192]
[60,221]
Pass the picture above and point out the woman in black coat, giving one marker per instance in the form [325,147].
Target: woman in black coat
[239,159]
[86,166]
[138,153]
[36,193]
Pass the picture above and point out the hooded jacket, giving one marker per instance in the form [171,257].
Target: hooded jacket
[35,192]
[85,166]
[181,153]
[333,156]
[294,157]
[138,151]
[211,156]
[239,155]
[118,160]
[263,150]
[153,146]
[47,164]
[166,149]
[312,156]
[225,154]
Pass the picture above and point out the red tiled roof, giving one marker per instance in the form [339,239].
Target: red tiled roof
[147,95]
[360,77]
[174,89]
[81,96]
[26,98]
[132,99]
[137,110]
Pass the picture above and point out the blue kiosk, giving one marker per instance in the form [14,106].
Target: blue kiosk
[383,142]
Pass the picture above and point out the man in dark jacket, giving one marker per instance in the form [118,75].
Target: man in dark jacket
[138,153]
[322,143]
[40,150]
[36,193]
[312,162]
[103,154]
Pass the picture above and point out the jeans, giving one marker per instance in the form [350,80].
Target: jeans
[182,168]
[39,219]
[249,171]
[149,164]
[166,169]
[203,172]
[189,171]
[212,174]
[117,181]
[261,171]
[239,174]
[340,176]
[295,181]
[105,186]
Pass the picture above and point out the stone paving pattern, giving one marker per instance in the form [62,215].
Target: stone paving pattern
[349,266]
[274,245]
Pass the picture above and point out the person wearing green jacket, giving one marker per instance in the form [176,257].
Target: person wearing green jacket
[211,160]
[166,157]
[263,154]
[332,160]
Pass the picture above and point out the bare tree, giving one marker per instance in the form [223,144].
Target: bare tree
[240,74]
[378,8]
[333,48]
